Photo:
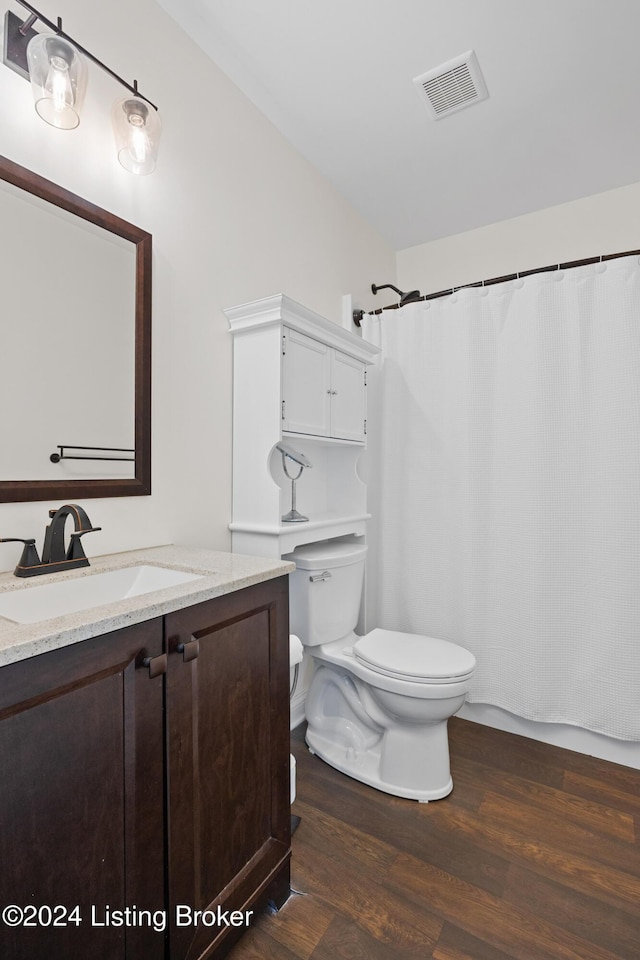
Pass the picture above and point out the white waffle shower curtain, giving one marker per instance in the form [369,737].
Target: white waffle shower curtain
[505,482]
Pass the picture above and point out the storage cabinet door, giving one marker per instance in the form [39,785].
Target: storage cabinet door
[228,761]
[306,385]
[347,396]
[81,807]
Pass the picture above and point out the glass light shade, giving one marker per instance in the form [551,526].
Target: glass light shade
[136,127]
[58,77]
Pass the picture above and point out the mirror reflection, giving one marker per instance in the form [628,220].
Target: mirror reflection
[69,327]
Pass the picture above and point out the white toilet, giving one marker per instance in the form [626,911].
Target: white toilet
[378,705]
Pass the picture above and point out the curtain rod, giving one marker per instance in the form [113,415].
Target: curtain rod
[359,314]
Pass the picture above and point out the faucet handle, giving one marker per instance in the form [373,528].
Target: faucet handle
[76,550]
[29,556]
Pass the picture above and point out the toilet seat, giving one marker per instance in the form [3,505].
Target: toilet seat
[410,656]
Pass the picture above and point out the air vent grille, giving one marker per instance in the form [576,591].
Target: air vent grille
[452,86]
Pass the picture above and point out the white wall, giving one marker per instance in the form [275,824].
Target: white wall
[601,224]
[236,214]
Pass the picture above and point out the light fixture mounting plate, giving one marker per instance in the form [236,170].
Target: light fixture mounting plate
[14,46]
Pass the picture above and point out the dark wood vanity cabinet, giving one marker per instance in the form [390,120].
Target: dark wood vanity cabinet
[140,796]
[228,759]
[81,808]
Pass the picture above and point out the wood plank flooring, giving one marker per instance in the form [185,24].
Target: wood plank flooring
[534,856]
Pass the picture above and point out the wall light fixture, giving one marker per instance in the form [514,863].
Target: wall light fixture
[55,65]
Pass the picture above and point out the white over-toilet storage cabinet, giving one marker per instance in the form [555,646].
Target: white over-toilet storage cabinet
[300,379]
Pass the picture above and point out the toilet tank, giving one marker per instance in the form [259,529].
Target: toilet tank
[325,590]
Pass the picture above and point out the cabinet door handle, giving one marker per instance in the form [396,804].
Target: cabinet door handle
[157,665]
[189,650]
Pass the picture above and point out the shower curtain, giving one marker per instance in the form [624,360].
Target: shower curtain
[505,485]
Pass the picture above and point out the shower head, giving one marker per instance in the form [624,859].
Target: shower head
[410,297]
[405,298]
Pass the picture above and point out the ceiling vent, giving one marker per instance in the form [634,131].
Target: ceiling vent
[452,86]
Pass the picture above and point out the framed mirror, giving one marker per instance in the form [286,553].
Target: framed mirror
[75,330]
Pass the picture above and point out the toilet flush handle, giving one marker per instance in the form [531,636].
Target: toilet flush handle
[325,575]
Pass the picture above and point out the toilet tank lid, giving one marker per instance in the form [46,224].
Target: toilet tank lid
[318,556]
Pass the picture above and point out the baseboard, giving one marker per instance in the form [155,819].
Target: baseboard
[625,752]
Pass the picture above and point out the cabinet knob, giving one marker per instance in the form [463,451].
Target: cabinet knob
[156,665]
[189,650]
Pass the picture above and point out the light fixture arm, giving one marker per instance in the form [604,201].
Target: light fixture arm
[26,26]
[36,15]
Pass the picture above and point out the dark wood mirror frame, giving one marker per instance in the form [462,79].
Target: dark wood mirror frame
[140,484]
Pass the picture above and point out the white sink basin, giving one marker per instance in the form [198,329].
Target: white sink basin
[47,600]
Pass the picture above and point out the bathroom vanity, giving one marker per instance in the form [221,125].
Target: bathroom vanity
[145,764]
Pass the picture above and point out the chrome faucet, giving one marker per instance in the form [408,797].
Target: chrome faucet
[54,555]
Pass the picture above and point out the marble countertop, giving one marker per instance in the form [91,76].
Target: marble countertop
[220,573]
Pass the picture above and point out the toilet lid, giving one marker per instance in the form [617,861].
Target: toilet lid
[411,656]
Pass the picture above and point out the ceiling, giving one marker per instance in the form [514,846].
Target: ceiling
[562,120]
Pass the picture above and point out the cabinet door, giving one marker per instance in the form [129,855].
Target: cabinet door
[306,385]
[81,798]
[228,761]
[347,397]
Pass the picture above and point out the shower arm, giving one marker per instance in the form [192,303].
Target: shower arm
[385,286]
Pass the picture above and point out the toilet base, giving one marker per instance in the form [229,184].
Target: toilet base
[365,767]
[396,743]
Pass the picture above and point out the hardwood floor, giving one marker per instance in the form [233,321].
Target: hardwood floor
[534,856]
